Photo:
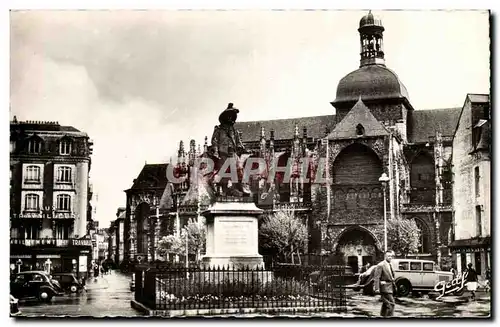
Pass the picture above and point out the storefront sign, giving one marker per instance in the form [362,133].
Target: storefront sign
[81,242]
[82,263]
[455,285]
[48,256]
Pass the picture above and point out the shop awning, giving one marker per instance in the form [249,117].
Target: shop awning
[476,243]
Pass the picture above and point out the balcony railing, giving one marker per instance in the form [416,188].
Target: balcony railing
[40,241]
[39,214]
[36,214]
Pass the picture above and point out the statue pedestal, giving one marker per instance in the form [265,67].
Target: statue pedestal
[232,235]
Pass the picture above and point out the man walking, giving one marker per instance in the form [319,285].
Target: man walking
[383,283]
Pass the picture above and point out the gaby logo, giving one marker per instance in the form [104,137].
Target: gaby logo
[452,286]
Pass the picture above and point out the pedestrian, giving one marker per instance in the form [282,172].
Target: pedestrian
[471,279]
[83,282]
[383,283]
[453,271]
[96,272]
[488,280]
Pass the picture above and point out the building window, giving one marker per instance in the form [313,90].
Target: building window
[62,231]
[479,225]
[34,146]
[31,202]
[424,237]
[65,147]
[63,202]
[32,174]
[360,130]
[477,180]
[64,174]
[32,232]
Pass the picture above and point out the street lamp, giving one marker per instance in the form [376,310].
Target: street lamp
[384,179]
[47,264]
[19,263]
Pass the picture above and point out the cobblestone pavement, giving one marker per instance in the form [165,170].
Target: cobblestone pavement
[107,297]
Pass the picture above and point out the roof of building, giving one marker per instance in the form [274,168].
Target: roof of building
[370,20]
[358,115]
[478,98]
[285,128]
[151,176]
[370,82]
[49,126]
[423,124]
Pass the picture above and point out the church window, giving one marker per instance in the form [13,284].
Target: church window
[360,130]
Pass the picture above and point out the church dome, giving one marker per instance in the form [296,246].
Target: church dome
[370,82]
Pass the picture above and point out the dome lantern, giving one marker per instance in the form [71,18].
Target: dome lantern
[371,39]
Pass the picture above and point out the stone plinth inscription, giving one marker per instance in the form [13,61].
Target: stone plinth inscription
[236,236]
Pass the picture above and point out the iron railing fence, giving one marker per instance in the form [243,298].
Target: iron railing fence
[175,288]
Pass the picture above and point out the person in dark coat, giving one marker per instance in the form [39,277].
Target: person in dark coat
[471,279]
[383,283]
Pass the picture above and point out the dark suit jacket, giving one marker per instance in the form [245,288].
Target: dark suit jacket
[383,280]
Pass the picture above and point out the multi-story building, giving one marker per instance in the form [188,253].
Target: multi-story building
[49,196]
[471,160]
[375,130]
[101,242]
[116,242]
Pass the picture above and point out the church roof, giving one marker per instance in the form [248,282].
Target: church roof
[423,124]
[359,114]
[285,128]
[151,176]
[370,82]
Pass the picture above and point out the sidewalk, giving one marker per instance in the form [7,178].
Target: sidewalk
[115,281]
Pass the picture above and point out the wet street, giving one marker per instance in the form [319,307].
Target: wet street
[359,305]
[109,296]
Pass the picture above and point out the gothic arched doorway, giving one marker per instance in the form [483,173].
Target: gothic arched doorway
[358,247]
[142,218]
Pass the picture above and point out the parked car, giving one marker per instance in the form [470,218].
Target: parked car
[411,275]
[68,282]
[36,284]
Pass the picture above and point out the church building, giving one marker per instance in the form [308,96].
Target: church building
[375,130]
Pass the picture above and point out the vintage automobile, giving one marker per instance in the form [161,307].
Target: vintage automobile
[411,276]
[68,282]
[36,284]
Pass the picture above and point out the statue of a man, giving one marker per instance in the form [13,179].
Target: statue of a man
[226,144]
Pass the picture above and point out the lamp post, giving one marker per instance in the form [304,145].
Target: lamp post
[19,263]
[384,179]
[47,264]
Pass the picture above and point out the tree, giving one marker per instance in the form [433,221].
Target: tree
[176,244]
[403,236]
[284,233]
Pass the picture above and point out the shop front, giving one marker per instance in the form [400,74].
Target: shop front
[76,258]
[476,251]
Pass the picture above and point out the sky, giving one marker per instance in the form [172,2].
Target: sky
[138,82]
